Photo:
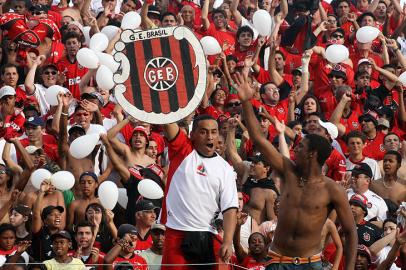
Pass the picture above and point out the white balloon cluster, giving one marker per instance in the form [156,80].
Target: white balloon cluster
[62,180]
[94,56]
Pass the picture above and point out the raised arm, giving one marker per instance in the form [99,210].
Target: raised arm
[231,150]
[30,78]
[276,77]
[14,167]
[204,15]
[239,249]
[393,45]
[390,259]
[235,13]
[339,199]
[146,22]
[29,165]
[402,110]
[338,113]
[171,131]
[304,84]
[118,146]
[245,93]
[117,162]
[63,147]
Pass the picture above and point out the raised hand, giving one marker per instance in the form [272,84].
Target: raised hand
[243,87]
[89,106]
[279,126]
[22,246]
[15,194]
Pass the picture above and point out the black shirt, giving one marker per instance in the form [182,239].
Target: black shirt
[368,233]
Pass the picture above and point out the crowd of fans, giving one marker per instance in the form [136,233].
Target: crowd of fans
[357,105]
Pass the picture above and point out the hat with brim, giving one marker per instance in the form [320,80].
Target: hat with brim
[362,168]
[367,116]
[61,234]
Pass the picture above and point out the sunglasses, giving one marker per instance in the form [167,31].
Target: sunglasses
[337,36]
[38,12]
[233,104]
[365,120]
[82,114]
[2,171]
[50,72]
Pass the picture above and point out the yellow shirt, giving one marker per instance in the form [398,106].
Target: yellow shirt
[75,264]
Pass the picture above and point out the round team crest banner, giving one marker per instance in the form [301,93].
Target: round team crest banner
[162,78]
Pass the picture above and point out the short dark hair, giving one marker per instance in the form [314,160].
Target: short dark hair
[262,88]
[360,73]
[389,219]
[293,123]
[167,13]
[390,133]
[396,154]
[8,65]
[356,134]
[281,53]
[199,118]
[84,223]
[7,227]
[244,29]
[321,145]
[258,233]
[216,11]
[70,35]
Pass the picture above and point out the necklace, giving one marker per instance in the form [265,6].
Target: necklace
[302,181]
[387,186]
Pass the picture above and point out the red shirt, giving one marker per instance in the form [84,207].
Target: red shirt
[143,244]
[223,37]
[250,263]
[137,261]
[12,126]
[327,101]
[215,113]
[351,122]
[51,150]
[74,73]
[336,166]
[374,147]
[107,109]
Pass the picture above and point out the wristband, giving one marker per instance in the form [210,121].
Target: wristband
[65,114]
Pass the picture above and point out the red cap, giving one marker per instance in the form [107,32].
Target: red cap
[141,129]
[231,97]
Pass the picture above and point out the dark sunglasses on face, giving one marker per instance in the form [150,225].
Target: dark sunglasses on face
[336,36]
[38,12]
[50,72]
[233,104]
[365,120]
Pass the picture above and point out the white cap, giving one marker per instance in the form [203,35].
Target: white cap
[31,149]
[363,60]
[7,91]
[331,128]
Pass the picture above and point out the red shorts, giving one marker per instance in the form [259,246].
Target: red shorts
[172,253]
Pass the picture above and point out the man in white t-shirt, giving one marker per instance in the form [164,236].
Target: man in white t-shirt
[200,184]
[361,177]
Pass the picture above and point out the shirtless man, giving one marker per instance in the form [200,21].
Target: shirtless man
[302,215]
[389,187]
[135,153]
[391,141]
[88,184]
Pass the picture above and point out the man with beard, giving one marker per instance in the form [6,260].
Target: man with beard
[84,237]
[153,255]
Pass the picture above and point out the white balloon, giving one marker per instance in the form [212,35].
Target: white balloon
[367,34]
[84,145]
[210,45]
[110,31]
[108,60]
[63,180]
[99,42]
[38,176]
[149,189]
[402,78]
[122,197]
[104,78]
[131,20]
[262,22]
[337,53]
[87,58]
[86,33]
[108,194]
[217,3]
[96,129]
[51,94]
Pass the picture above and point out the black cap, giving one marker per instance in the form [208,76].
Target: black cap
[153,10]
[368,116]
[47,210]
[35,121]
[93,95]
[362,168]
[144,205]
[259,158]
[61,234]
[126,228]
[39,7]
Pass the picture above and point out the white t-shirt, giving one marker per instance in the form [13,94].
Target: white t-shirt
[382,256]
[376,172]
[153,260]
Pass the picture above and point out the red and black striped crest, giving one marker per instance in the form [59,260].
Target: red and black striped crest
[163,74]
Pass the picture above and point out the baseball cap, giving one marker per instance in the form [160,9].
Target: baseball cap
[126,228]
[297,71]
[39,7]
[33,50]
[48,210]
[142,130]
[31,149]
[61,234]
[35,121]
[78,25]
[330,127]
[364,61]
[144,205]
[91,174]
[158,226]
[258,158]
[361,201]
[383,122]
[153,10]
[7,91]
[76,128]
[362,168]
[93,95]
[362,249]
[371,115]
